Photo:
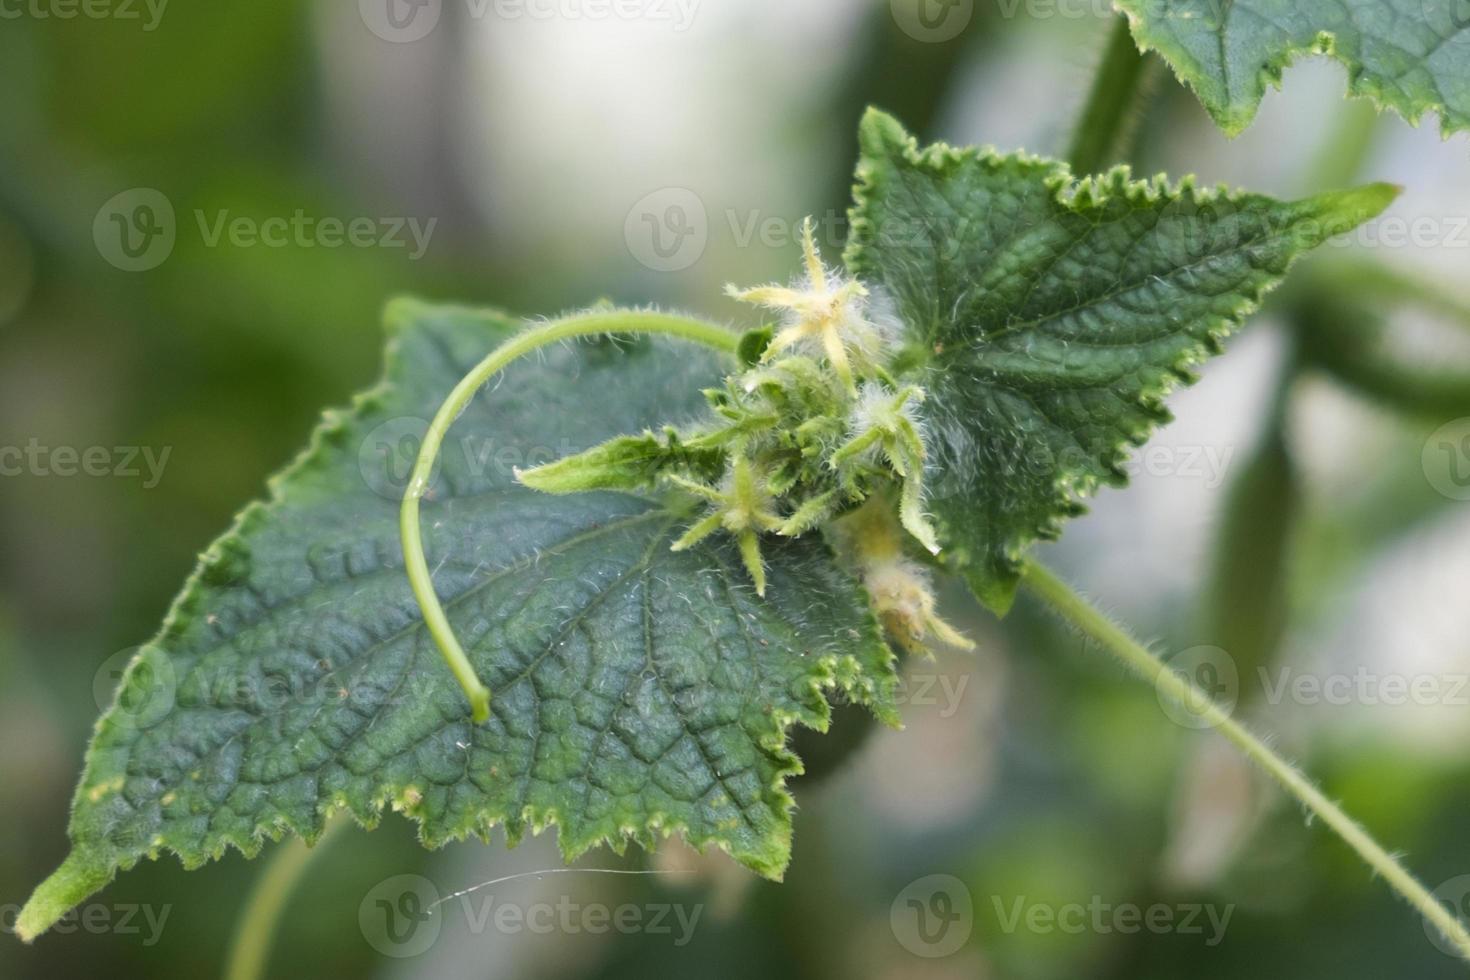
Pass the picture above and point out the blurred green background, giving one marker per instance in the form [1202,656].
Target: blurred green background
[1306,513]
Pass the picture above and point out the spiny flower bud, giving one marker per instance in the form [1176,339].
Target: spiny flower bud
[884,421]
[904,601]
[898,587]
[743,507]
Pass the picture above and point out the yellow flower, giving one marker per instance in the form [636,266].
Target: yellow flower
[825,309]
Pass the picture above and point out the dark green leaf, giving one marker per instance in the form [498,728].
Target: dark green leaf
[636,691]
[1047,318]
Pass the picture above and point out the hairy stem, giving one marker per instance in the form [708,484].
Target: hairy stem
[1088,620]
[1098,136]
[596,324]
[255,933]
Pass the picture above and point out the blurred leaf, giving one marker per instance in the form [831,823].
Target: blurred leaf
[1249,590]
[1406,55]
[1355,346]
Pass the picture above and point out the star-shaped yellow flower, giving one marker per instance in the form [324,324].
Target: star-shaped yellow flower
[825,308]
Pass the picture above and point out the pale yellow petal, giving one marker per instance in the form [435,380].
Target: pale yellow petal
[779,297]
[789,337]
[814,268]
[837,354]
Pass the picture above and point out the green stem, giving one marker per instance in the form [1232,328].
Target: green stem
[1346,149]
[1098,137]
[1088,620]
[596,324]
[250,950]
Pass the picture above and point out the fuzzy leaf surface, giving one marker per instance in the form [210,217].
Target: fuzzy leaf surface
[1047,318]
[636,691]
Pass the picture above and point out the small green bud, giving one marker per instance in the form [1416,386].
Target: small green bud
[743,506]
[753,344]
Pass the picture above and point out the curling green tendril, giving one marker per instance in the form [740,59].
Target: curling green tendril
[596,324]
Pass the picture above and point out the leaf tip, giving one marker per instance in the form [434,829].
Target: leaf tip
[1233,120]
[533,477]
[880,134]
[995,591]
[1386,191]
[1359,204]
[78,878]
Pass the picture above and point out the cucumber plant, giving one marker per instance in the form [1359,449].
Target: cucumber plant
[617,642]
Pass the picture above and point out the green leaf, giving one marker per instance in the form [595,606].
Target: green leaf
[1046,318]
[637,691]
[623,463]
[1412,56]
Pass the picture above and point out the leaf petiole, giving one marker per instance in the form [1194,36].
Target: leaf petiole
[1103,123]
[596,324]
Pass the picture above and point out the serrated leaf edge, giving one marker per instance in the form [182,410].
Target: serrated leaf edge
[881,135]
[1233,118]
[80,873]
